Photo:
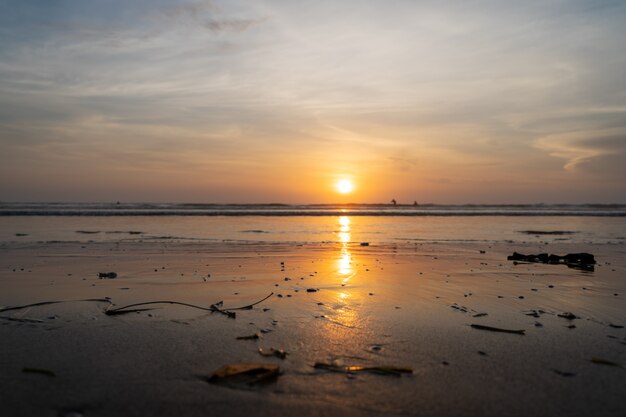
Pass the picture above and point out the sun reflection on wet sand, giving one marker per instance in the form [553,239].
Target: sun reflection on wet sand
[345,258]
[344,313]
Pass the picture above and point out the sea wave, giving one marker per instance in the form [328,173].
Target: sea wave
[192,209]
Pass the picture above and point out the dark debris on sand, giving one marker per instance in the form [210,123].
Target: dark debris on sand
[580,260]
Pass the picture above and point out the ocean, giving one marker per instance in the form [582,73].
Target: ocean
[350,223]
[193,209]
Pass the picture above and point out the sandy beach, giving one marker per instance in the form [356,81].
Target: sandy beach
[405,305]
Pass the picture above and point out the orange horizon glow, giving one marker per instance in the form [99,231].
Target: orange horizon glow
[432,121]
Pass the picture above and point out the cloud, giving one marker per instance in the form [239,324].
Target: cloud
[236,25]
[210,16]
[521,89]
[599,152]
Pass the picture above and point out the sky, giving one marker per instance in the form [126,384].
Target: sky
[275,101]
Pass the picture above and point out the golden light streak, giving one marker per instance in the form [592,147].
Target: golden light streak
[345,258]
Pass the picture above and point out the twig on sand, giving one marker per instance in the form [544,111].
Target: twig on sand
[496,329]
[213,308]
[127,309]
[249,306]
[41,371]
[601,361]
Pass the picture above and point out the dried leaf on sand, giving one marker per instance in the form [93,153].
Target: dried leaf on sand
[244,373]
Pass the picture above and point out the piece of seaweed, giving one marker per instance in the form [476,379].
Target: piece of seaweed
[214,308]
[43,303]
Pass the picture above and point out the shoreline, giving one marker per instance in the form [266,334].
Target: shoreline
[407,305]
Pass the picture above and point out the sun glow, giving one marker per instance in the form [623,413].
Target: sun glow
[344,186]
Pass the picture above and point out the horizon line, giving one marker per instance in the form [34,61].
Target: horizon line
[428,204]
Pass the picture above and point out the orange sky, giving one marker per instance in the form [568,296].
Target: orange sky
[271,101]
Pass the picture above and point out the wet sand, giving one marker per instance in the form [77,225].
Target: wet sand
[406,305]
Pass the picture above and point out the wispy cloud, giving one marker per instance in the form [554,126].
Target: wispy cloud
[598,152]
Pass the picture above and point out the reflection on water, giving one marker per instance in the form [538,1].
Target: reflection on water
[311,229]
[344,229]
[345,258]
[343,314]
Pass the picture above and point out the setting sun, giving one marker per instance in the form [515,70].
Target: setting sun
[344,186]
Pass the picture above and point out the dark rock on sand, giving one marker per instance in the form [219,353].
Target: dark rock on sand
[579,258]
[568,315]
[107,275]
